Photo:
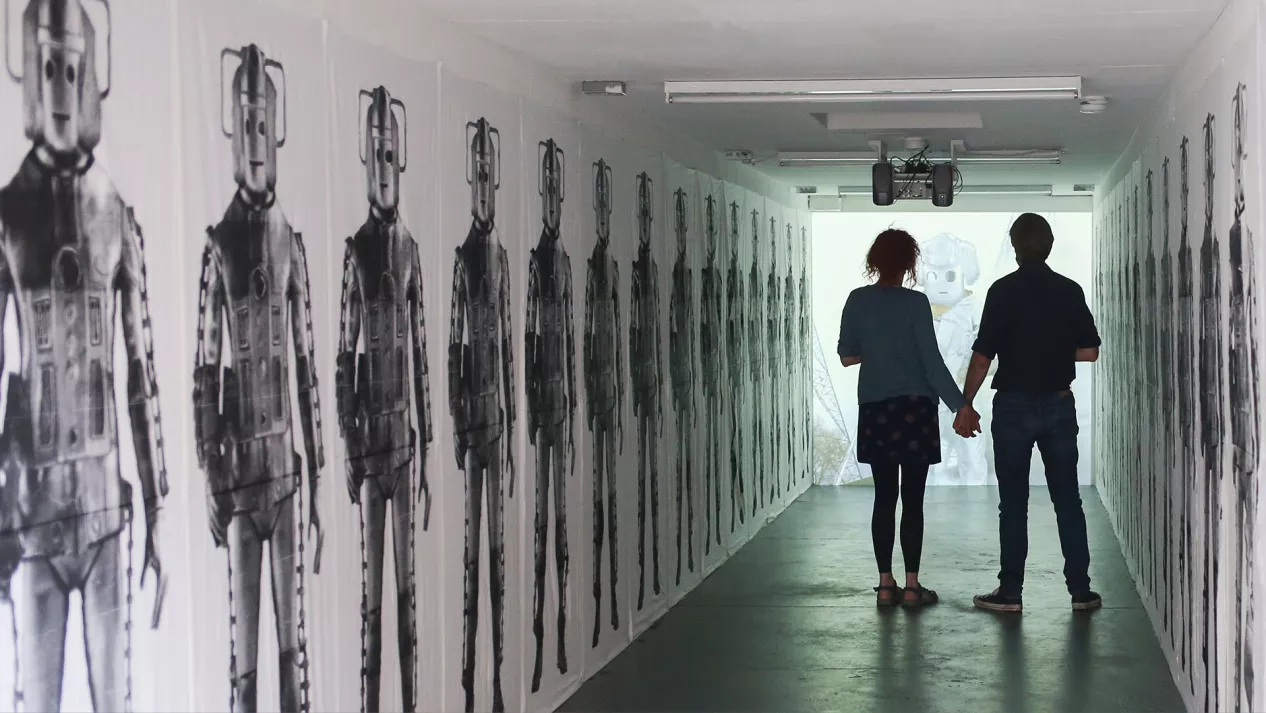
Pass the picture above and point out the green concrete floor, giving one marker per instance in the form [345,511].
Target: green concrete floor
[789,624]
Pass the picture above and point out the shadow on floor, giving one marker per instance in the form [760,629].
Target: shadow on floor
[789,624]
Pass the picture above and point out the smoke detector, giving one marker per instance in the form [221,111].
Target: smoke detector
[914,143]
[1093,105]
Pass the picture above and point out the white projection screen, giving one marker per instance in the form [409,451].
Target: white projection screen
[963,254]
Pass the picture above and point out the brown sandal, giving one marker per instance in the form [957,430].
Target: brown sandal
[888,596]
[923,597]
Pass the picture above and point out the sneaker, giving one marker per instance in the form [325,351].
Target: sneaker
[997,601]
[1086,601]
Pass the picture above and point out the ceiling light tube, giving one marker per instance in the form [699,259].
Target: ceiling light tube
[873,90]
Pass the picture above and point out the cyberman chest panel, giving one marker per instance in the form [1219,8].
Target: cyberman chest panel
[682,359]
[384,262]
[710,327]
[63,241]
[755,317]
[482,272]
[603,316]
[254,247]
[554,283]
[771,316]
[646,294]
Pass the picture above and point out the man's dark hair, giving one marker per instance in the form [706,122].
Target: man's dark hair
[1032,238]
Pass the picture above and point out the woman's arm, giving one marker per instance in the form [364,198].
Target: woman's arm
[849,348]
[930,357]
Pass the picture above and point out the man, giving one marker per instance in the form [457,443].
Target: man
[1037,324]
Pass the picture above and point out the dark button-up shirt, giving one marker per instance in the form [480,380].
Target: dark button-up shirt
[1034,322]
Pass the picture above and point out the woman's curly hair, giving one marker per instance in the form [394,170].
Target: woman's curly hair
[893,257]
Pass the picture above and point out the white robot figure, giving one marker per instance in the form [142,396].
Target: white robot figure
[948,267]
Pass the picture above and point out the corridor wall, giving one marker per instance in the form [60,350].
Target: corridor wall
[1178,429]
[436,395]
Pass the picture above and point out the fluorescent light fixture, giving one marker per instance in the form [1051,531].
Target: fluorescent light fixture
[872,90]
[835,159]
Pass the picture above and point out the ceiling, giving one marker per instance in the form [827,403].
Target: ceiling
[1124,49]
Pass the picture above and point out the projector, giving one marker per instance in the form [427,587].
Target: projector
[914,179]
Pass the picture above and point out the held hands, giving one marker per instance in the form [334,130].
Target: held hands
[967,422]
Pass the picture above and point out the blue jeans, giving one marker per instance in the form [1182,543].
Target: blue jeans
[1048,421]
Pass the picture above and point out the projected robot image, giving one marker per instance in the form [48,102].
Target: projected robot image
[254,275]
[681,356]
[647,367]
[805,336]
[948,268]
[1189,438]
[710,354]
[549,354]
[773,362]
[381,323]
[482,396]
[788,375]
[735,336]
[604,387]
[71,258]
[756,366]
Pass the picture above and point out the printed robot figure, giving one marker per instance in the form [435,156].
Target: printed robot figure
[604,386]
[646,364]
[481,395]
[549,351]
[382,290]
[710,354]
[1211,398]
[806,338]
[1158,537]
[681,355]
[254,272]
[71,258]
[735,333]
[756,365]
[789,355]
[949,267]
[1185,370]
[773,335]
[1167,348]
[1245,423]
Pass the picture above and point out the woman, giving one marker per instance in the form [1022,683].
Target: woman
[887,328]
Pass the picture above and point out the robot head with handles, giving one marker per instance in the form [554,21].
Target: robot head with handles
[253,125]
[383,147]
[483,170]
[791,245]
[645,207]
[602,199]
[1238,156]
[61,91]
[551,185]
[755,237]
[948,265]
[773,241]
[680,224]
[710,224]
[734,229]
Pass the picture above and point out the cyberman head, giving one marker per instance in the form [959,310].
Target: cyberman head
[773,240]
[483,171]
[804,246]
[755,236]
[252,122]
[1237,158]
[383,147]
[791,246]
[679,219]
[602,199]
[948,265]
[61,92]
[734,229]
[645,207]
[710,227]
[552,186]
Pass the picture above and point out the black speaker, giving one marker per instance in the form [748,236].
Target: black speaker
[881,184]
[943,185]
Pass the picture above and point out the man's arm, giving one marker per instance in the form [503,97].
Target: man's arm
[850,361]
[1088,341]
[1088,354]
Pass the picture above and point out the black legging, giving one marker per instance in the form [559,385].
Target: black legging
[883,522]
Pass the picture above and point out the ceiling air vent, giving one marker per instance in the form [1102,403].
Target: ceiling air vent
[806,190]
[1083,188]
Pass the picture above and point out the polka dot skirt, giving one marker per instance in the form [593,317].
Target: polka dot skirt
[903,430]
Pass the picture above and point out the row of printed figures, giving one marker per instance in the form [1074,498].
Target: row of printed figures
[65,510]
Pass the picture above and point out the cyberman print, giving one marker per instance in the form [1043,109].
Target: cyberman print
[710,356]
[787,375]
[735,337]
[756,366]
[71,258]
[549,352]
[1245,421]
[381,323]
[681,359]
[647,367]
[806,338]
[1156,487]
[1171,467]
[482,396]
[1185,369]
[773,359]
[254,275]
[604,388]
[1211,425]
